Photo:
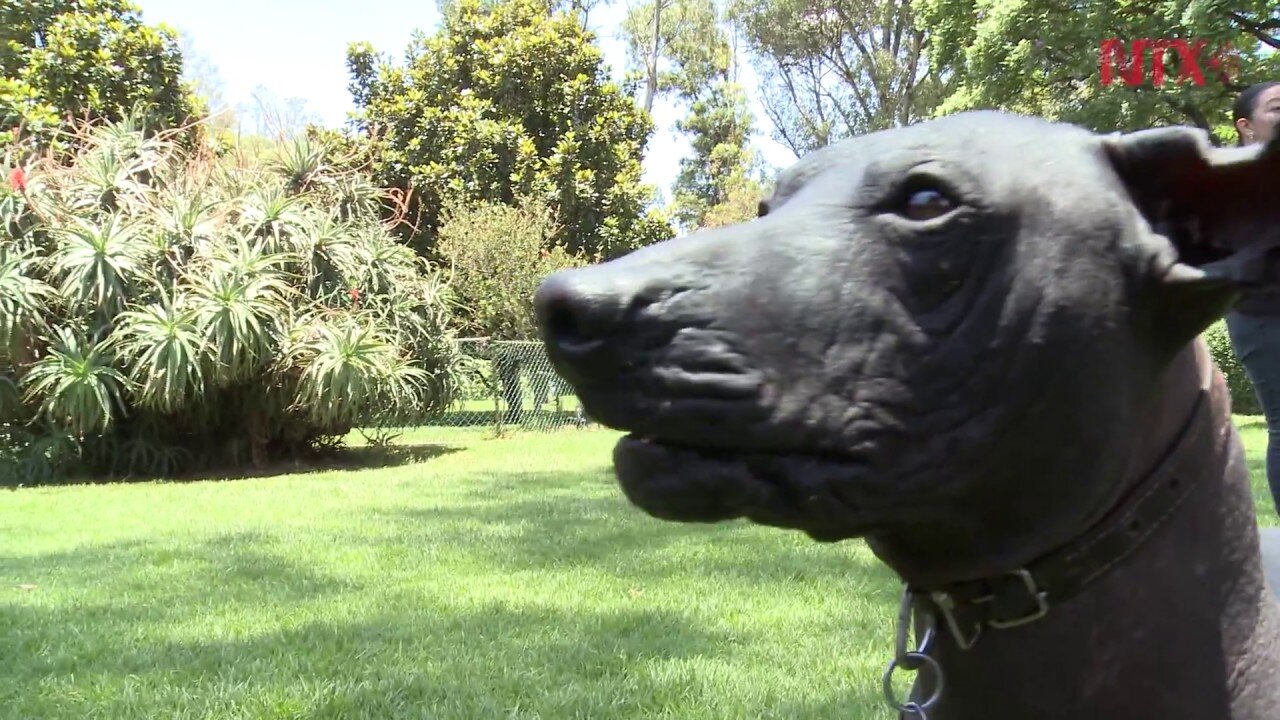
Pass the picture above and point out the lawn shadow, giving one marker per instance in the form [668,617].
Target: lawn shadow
[418,660]
[600,529]
[87,613]
[347,457]
[350,458]
[853,703]
[240,568]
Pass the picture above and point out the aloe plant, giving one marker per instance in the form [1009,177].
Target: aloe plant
[165,353]
[76,384]
[97,264]
[166,309]
[23,298]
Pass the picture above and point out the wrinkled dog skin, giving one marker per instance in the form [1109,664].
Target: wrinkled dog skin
[934,337]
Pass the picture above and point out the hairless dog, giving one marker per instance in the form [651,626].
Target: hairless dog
[974,342]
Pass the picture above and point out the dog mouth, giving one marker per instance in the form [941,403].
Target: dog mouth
[823,495]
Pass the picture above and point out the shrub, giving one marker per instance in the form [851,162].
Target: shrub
[498,254]
[1243,399]
[165,310]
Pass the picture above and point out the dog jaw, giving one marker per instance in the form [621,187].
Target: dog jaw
[824,496]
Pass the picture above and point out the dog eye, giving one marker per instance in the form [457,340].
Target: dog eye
[927,204]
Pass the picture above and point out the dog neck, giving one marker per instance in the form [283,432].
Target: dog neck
[1183,626]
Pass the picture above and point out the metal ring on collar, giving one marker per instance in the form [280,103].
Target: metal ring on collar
[919,661]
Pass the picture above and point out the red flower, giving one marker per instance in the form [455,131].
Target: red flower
[354,294]
[18,179]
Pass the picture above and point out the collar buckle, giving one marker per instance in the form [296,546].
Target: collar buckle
[1009,594]
[1033,591]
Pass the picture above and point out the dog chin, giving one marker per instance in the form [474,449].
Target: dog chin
[806,492]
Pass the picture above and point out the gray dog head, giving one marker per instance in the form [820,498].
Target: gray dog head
[943,332]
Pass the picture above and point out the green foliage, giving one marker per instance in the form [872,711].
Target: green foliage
[740,204]
[499,254]
[719,124]
[691,57]
[508,100]
[86,60]
[24,114]
[690,39]
[167,310]
[1032,56]
[1244,401]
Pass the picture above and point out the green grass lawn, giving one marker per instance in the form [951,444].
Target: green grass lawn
[489,579]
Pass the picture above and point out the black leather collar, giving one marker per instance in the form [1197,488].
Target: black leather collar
[1027,594]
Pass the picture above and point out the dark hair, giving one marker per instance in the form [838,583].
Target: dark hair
[1246,104]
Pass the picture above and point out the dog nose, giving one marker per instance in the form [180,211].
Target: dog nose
[578,316]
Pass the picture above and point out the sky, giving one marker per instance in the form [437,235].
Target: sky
[297,49]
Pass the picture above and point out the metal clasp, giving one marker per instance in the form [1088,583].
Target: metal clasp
[914,660]
[1041,598]
[947,605]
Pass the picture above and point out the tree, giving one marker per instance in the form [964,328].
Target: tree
[686,51]
[88,60]
[741,204]
[1043,57]
[498,254]
[653,53]
[719,124]
[509,100]
[683,36]
[831,69]
[270,116]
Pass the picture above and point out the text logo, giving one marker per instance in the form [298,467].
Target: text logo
[1190,60]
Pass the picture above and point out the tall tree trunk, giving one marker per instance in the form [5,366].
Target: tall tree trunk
[655,48]
[733,49]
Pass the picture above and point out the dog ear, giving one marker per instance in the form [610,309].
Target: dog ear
[1217,209]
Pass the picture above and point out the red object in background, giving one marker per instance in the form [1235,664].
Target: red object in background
[1192,59]
[354,294]
[18,179]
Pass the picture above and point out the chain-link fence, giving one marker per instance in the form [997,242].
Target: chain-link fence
[510,385]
